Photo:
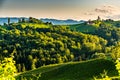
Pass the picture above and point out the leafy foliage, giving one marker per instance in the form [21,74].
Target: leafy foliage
[116,52]
[7,69]
[104,76]
[118,66]
[99,55]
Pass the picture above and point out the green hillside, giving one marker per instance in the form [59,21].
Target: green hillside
[91,26]
[71,71]
[50,51]
[83,28]
[107,29]
[37,44]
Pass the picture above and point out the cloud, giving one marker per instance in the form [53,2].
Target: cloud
[105,11]
[101,11]
[109,9]
[87,13]
[115,17]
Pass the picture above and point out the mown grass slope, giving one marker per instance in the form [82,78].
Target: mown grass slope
[72,71]
[83,28]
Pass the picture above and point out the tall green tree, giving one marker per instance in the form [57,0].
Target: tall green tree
[8,21]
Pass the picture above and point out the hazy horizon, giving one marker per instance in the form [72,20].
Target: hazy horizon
[61,9]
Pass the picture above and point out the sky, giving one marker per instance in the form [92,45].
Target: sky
[61,9]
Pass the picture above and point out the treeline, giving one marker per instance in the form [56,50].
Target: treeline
[107,29]
[35,46]
[109,32]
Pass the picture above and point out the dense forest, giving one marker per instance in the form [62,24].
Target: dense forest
[33,43]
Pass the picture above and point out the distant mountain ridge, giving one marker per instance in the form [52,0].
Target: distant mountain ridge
[53,21]
[62,22]
[12,19]
[5,20]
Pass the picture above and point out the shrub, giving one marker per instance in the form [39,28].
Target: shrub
[118,66]
[104,76]
[98,55]
[7,69]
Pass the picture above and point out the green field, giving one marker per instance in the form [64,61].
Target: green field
[83,28]
[72,71]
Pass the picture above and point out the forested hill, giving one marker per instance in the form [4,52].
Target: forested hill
[34,43]
[107,29]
